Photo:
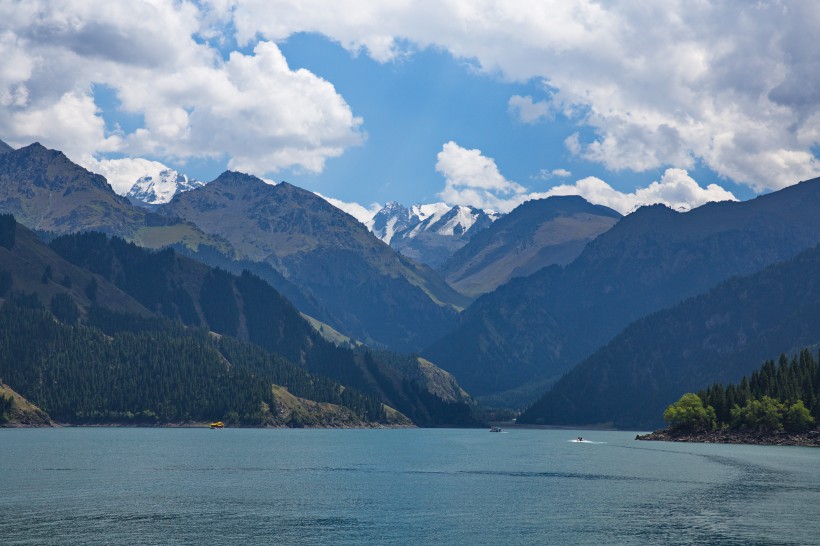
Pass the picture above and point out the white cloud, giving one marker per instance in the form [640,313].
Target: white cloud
[546,174]
[733,84]
[357,211]
[676,189]
[250,107]
[528,111]
[473,179]
[123,173]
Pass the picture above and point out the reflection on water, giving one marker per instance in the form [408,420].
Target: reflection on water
[168,486]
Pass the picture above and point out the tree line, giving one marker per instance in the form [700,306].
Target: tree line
[779,396]
[128,369]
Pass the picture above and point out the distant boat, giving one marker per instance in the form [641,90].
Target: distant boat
[495,429]
[217,424]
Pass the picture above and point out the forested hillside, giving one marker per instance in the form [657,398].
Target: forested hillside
[719,336]
[127,369]
[538,327]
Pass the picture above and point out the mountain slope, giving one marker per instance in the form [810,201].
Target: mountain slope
[247,308]
[45,191]
[367,291]
[536,234]
[537,327]
[717,337]
[35,269]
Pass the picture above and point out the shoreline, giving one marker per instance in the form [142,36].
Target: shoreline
[810,438]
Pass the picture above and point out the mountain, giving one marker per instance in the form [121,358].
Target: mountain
[536,234]
[5,148]
[717,337]
[391,219]
[46,192]
[31,267]
[160,187]
[429,234]
[247,308]
[365,290]
[536,328]
[88,279]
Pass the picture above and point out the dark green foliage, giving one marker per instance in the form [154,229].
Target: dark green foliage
[261,363]
[6,282]
[80,375]
[8,230]
[64,308]
[66,281]
[777,396]
[48,274]
[29,301]
[177,287]
[6,403]
[218,302]
[91,289]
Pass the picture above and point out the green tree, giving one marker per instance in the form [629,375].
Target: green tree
[8,228]
[64,308]
[689,415]
[798,418]
[762,415]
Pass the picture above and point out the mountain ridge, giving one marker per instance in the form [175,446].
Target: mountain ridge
[537,327]
[370,292]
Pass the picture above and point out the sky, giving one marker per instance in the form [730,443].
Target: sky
[473,102]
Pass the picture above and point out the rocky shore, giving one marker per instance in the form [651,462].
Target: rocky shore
[809,438]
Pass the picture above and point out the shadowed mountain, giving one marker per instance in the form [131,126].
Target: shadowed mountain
[366,290]
[29,266]
[4,148]
[535,328]
[114,285]
[536,234]
[717,337]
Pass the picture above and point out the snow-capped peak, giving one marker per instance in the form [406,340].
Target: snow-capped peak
[162,186]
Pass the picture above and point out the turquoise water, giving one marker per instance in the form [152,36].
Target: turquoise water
[247,486]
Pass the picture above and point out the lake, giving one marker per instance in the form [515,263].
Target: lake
[416,486]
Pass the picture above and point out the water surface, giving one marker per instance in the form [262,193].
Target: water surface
[250,486]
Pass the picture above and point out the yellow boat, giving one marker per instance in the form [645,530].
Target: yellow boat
[218,424]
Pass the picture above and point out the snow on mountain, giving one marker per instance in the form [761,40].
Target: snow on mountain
[429,233]
[391,219]
[160,187]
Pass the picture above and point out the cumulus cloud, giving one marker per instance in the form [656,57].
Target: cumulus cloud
[251,107]
[732,84]
[528,111]
[473,179]
[676,189]
[123,173]
[357,211]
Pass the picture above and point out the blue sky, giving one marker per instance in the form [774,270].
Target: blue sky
[486,103]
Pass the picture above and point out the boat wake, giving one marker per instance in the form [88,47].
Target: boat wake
[577,441]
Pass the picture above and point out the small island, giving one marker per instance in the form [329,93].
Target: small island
[778,405]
